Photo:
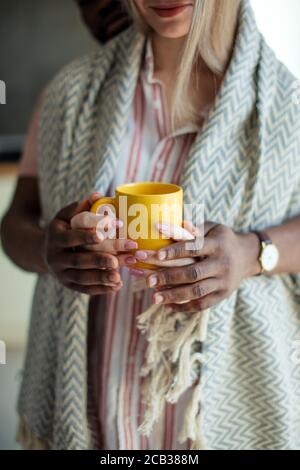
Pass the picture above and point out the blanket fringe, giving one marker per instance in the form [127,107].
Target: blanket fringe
[172,365]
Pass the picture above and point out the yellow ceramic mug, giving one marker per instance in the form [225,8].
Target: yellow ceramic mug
[141,206]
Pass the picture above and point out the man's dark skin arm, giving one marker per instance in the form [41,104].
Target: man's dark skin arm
[22,238]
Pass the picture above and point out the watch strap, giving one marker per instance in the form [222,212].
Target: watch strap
[263,236]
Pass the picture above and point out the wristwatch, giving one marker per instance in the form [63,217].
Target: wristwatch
[269,254]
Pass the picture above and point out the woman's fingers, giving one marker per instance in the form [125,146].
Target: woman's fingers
[191,228]
[85,220]
[127,259]
[113,246]
[131,260]
[105,229]
[139,272]
[175,232]
[178,253]
[95,260]
[150,257]
[188,231]
[100,222]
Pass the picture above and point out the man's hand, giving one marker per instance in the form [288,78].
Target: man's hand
[69,256]
[221,262]
[104,18]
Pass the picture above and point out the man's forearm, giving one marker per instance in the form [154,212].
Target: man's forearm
[287,239]
[23,241]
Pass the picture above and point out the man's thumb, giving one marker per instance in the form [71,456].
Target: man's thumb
[66,213]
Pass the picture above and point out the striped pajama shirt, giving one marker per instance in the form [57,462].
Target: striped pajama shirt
[149,153]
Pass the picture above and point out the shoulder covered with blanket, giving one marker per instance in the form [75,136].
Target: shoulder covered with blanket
[279,108]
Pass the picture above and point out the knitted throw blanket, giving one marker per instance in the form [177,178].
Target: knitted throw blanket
[244,166]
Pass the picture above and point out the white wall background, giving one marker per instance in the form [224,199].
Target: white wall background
[279,21]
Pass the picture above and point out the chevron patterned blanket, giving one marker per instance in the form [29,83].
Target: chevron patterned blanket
[245,167]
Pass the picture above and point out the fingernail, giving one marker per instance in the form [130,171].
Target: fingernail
[130,245]
[130,260]
[158,299]
[137,272]
[141,255]
[161,255]
[152,281]
[163,227]
[118,223]
[112,278]
[99,236]
[168,309]
[111,265]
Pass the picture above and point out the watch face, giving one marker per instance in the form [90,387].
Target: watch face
[269,257]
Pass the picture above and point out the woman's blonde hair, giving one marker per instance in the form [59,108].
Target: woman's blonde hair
[210,38]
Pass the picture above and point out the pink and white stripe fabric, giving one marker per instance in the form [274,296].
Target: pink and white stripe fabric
[151,153]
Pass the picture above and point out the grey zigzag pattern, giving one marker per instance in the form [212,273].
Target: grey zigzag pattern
[245,167]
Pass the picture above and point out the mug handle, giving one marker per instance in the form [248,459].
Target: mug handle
[102,202]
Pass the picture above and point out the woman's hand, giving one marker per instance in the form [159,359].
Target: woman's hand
[222,260]
[73,255]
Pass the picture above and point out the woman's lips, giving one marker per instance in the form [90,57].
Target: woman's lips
[166,12]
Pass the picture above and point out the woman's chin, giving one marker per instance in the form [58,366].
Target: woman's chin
[171,32]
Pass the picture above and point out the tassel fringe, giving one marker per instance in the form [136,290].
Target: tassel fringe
[172,365]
